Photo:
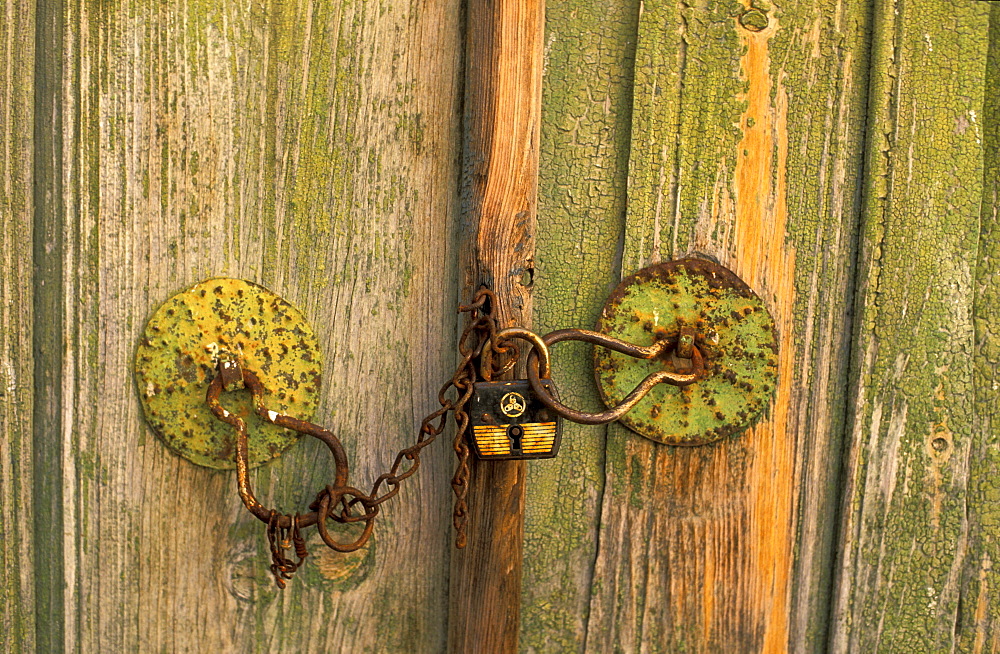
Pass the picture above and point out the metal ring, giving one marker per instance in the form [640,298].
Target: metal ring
[633,398]
[324,513]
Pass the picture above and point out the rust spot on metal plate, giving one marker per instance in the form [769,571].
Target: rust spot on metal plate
[181,347]
[734,331]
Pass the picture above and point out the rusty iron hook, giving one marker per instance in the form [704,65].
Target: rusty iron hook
[252,382]
[659,348]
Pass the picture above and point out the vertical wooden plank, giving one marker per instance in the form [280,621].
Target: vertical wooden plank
[503,76]
[48,491]
[586,110]
[906,527]
[309,146]
[978,629]
[17,578]
[746,146]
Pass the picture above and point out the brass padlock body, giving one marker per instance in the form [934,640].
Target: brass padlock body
[507,421]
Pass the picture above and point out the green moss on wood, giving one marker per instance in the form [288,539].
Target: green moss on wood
[979,620]
[685,122]
[258,141]
[46,340]
[17,560]
[17,557]
[908,524]
[686,142]
[584,150]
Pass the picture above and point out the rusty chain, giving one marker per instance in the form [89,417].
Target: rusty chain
[338,501]
[480,343]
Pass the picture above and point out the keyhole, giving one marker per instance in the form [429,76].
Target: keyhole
[515,433]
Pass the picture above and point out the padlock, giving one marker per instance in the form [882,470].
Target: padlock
[507,420]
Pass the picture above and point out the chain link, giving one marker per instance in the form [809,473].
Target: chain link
[345,504]
[279,540]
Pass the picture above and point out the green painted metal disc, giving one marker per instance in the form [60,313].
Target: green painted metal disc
[736,335]
[177,357]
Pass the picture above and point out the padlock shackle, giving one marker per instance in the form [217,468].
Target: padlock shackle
[538,348]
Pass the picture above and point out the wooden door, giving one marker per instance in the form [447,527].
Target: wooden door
[843,157]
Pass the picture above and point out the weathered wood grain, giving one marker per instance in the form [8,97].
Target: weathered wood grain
[979,622]
[17,558]
[586,107]
[313,147]
[746,145]
[917,509]
[503,77]
[310,147]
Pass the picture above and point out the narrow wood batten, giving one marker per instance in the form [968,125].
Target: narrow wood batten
[499,189]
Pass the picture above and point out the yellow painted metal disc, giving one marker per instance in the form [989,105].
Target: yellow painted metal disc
[177,358]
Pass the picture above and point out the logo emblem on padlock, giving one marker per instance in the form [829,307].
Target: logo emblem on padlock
[513,405]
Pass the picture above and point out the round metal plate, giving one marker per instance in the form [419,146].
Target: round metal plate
[741,367]
[177,358]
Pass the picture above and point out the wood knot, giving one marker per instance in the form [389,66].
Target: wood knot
[343,570]
[754,20]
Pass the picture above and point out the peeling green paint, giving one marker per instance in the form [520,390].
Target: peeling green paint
[979,621]
[907,525]
[586,108]
[690,90]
